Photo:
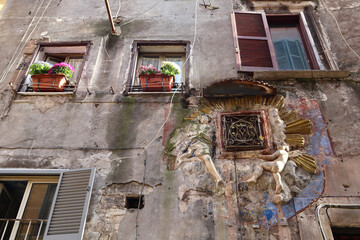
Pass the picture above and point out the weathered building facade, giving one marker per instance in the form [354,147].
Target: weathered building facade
[257,139]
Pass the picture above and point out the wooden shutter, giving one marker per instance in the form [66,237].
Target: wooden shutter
[68,215]
[254,49]
[308,42]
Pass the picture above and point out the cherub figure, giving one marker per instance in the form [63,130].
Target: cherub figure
[276,165]
[197,145]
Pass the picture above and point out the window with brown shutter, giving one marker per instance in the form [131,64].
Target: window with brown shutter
[272,42]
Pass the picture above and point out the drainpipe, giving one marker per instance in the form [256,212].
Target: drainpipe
[110,17]
[330,205]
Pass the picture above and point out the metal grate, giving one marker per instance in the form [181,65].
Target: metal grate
[242,132]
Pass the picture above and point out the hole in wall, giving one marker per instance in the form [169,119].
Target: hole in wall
[132,201]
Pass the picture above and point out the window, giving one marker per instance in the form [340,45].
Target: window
[71,53]
[155,53]
[273,42]
[28,202]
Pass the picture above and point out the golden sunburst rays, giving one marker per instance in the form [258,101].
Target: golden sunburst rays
[295,127]
[277,101]
[243,103]
[300,126]
[288,116]
[295,140]
[307,162]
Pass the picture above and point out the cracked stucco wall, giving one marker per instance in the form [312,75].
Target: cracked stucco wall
[101,129]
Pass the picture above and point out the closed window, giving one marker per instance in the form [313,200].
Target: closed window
[272,42]
[44,206]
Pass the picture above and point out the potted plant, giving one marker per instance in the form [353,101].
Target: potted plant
[47,78]
[152,80]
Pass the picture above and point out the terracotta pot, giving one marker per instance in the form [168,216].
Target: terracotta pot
[48,82]
[156,82]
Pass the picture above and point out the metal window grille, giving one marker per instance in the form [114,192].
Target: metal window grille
[242,132]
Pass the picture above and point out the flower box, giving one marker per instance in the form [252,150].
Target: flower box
[156,82]
[48,82]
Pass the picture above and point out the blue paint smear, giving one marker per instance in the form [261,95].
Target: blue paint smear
[319,125]
[289,209]
[320,139]
[270,212]
[326,145]
[312,191]
[314,188]
[326,161]
[301,203]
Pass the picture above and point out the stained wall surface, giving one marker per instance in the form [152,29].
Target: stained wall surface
[124,136]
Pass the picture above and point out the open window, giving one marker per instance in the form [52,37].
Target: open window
[273,42]
[73,53]
[145,53]
[44,205]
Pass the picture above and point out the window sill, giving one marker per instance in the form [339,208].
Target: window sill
[153,93]
[44,93]
[311,74]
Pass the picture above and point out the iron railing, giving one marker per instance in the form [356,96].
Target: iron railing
[33,228]
[177,87]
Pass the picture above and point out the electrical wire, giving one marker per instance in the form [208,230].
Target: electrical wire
[22,39]
[141,192]
[195,33]
[21,49]
[338,27]
[131,20]
[31,149]
[172,97]
[157,134]
[117,13]
[237,198]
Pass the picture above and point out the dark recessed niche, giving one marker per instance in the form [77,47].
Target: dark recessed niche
[132,201]
[346,233]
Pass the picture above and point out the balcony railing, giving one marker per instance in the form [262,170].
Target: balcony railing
[177,87]
[27,229]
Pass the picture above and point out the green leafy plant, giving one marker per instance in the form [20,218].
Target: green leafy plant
[39,68]
[170,68]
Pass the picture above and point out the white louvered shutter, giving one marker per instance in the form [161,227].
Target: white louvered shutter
[68,215]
